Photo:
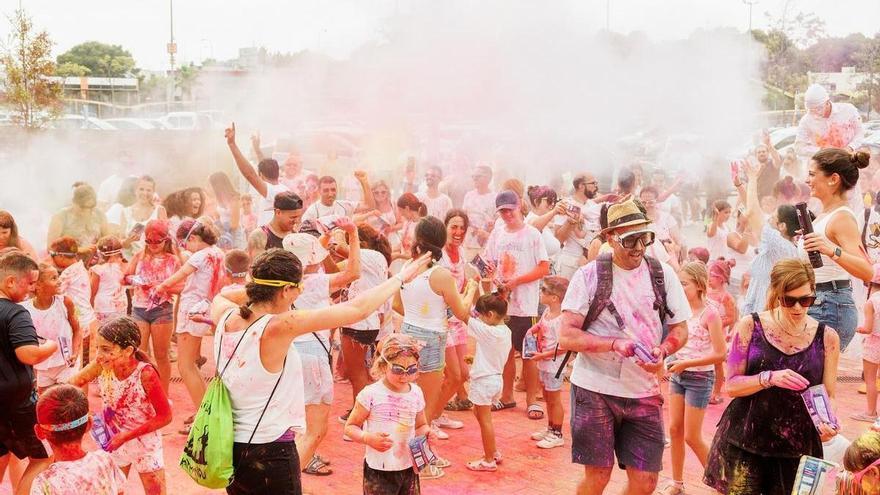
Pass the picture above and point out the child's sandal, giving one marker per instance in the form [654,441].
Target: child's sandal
[482,465]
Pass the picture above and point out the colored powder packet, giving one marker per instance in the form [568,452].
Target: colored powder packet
[421,452]
[100,431]
[813,476]
[481,265]
[819,406]
[644,353]
[530,346]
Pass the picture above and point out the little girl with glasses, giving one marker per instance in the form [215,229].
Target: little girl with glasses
[388,414]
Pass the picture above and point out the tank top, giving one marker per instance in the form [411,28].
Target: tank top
[130,222]
[422,306]
[250,385]
[272,240]
[110,297]
[459,273]
[718,245]
[699,341]
[126,405]
[85,230]
[830,270]
[774,421]
[315,294]
[52,324]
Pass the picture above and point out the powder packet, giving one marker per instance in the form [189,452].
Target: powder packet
[421,452]
[644,353]
[819,406]
[812,476]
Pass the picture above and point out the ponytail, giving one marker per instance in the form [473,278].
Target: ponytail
[245,310]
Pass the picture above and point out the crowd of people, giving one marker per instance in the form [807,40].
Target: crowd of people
[440,301]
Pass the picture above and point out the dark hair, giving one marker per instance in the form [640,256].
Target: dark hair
[61,404]
[626,179]
[578,180]
[65,244]
[268,168]
[206,231]
[8,222]
[491,302]
[109,243]
[721,205]
[372,239]
[327,179]
[787,214]
[187,193]
[15,262]
[147,178]
[843,163]
[124,332]
[126,195]
[537,193]
[411,202]
[457,212]
[237,261]
[430,236]
[436,168]
[274,264]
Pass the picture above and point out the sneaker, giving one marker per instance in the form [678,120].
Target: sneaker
[540,434]
[445,421]
[442,462]
[482,465]
[431,472]
[344,418]
[438,433]
[550,441]
[673,489]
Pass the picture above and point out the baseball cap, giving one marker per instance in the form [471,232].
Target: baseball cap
[306,247]
[506,200]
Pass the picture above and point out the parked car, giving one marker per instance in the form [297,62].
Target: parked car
[72,121]
[186,121]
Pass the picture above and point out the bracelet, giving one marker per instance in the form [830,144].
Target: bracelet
[400,279]
[764,379]
[613,341]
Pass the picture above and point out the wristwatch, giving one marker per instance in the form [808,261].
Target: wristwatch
[837,254]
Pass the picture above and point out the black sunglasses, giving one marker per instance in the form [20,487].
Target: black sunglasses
[629,241]
[790,301]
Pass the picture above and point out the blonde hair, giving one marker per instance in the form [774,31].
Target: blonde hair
[391,346]
[862,452]
[696,270]
[788,275]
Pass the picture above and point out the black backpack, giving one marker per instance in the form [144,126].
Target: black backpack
[602,299]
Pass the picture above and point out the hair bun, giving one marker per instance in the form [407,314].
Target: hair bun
[860,159]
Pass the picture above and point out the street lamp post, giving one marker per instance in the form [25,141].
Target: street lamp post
[750,3]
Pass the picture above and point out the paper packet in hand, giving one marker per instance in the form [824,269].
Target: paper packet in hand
[819,406]
[812,476]
[644,353]
[421,452]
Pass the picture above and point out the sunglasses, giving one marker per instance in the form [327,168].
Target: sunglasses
[630,241]
[857,477]
[155,242]
[790,301]
[401,370]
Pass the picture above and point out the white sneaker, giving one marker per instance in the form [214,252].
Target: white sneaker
[550,441]
[445,421]
[438,433]
[540,434]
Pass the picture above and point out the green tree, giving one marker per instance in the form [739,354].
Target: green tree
[868,59]
[70,69]
[27,61]
[185,79]
[101,59]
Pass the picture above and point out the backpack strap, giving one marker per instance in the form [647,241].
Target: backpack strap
[658,283]
[220,346]
[865,226]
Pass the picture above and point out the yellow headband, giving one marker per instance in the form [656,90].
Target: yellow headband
[275,283]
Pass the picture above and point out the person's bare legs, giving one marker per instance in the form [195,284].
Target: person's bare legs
[693,433]
[161,334]
[487,431]
[594,481]
[870,386]
[316,430]
[640,482]
[508,376]
[154,483]
[461,352]
[430,383]
[354,353]
[188,347]
[451,383]
[676,435]
[530,375]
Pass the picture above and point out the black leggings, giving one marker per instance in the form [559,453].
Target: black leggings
[265,468]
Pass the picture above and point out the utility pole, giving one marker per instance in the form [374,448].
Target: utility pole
[172,49]
[751,4]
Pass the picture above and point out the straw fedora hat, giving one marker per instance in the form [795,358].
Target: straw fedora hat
[626,214]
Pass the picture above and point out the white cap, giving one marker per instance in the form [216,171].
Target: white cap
[816,96]
[306,247]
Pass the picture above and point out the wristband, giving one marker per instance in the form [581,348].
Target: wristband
[613,341]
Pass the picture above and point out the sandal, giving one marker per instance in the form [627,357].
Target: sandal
[865,417]
[431,472]
[442,462]
[323,461]
[499,405]
[317,468]
[458,405]
[482,465]
[535,411]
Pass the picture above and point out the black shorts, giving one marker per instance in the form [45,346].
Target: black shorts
[405,482]
[363,337]
[17,432]
[518,326]
[265,468]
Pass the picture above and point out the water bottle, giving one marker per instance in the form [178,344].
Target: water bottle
[807,228]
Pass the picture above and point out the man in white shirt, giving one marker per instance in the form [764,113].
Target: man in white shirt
[577,229]
[330,206]
[616,401]
[264,178]
[435,201]
[479,203]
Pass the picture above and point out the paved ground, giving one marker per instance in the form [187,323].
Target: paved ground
[526,469]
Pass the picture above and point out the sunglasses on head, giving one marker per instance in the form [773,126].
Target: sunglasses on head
[790,301]
[630,241]
[155,242]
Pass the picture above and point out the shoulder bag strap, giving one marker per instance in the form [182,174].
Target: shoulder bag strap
[272,394]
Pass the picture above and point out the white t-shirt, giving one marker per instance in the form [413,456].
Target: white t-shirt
[315,295]
[480,209]
[318,210]
[717,245]
[574,245]
[108,190]
[515,254]
[551,243]
[437,207]
[267,204]
[493,346]
[633,297]
[207,280]
[374,271]
[95,474]
[395,414]
[74,283]
[547,336]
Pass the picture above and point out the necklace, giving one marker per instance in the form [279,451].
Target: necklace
[782,326]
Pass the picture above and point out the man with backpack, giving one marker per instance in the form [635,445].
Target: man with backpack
[613,317]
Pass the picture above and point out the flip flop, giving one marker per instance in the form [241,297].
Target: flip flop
[317,468]
[323,461]
[535,411]
[499,405]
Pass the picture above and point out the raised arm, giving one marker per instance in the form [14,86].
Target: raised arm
[369,201]
[352,270]
[244,166]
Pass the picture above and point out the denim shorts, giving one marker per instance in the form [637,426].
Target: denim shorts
[432,357]
[695,386]
[603,426]
[837,309]
[549,380]
[163,313]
